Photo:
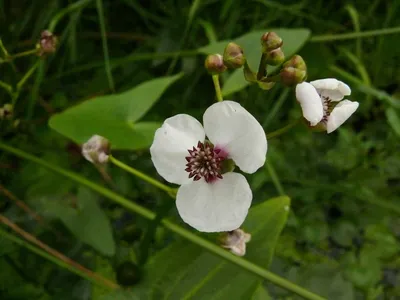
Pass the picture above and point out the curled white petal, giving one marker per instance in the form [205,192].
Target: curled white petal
[220,206]
[170,146]
[332,88]
[310,103]
[229,126]
[340,114]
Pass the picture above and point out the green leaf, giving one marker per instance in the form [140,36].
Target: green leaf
[261,293]
[393,118]
[293,40]
[88,223]
[115,116]
[185,271]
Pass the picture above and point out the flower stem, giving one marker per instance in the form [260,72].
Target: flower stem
[17,55]
[144,212]
[73,6]
[217,87]
[262,67]
[354,35]
[282,130]
[53,255]
[141,175]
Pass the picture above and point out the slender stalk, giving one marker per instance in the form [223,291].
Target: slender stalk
[6,87]
[217,87]
[21,83]
[262,67]
[75,5]
[53,255]
[141,175]
[100,12]
[274,177]
[354,35]
[144,212]
[17,55]
[282,130]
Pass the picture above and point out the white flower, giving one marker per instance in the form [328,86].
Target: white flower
[236,241]
[207,199]
[317,99]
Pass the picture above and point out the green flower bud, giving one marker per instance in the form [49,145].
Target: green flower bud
[6,112]
[296,62]
[96,150]
[291,76]
[233,56]
[270,41]
[214,64]
[275,57]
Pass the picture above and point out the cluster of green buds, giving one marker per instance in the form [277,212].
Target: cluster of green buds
[289,73]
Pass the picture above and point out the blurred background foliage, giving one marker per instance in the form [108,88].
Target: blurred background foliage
[341,239]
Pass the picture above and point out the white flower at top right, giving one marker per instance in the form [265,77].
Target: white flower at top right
[322,102]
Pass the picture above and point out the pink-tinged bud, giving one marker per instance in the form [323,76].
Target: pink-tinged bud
[47,43]
[275,57]
[270,41]
[296,62]
[96,150]
[214,64]
[291,76]
[233,56]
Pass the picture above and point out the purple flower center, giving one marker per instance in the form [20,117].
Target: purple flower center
[205,161]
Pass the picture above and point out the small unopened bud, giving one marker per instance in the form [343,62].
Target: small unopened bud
[235,241]
[233,56]
[6,112]
[96,150]
[47,43]
[296,62]
[291,76]
[214,64]
[270,41]
[275,57]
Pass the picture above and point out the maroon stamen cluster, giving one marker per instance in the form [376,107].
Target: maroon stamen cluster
[204,161]
[326,105]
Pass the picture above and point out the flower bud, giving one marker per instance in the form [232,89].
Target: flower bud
[275,57]
[233,56]
[291,76]
[296,62]
[235,241]
[270,41]
[96,150]
[6,111]
[214,64]
[47,43]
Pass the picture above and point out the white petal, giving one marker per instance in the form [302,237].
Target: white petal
[340,114]
[215,207]
[170,146]
[310,103]
[231,127]
[332,88]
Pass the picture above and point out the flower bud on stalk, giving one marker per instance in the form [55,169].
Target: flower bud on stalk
[47,43]
[294,71]
[235,241]
[6,111]
[214,64]
[275,57]
[233,56]
[270,41]
[96,150]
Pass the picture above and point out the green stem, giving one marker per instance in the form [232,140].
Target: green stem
[354,35]
[99,5]
[17,55]
[21,83]
[6,86]
[262,67]
[274,177]
[76,5]
[51,258]
[239,261]
[217,87]
[141,175]
[282,130]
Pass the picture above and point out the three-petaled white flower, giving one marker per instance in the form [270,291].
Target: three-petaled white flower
[317,100]
[208,199]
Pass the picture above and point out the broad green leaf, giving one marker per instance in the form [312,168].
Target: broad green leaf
[186,271]
[293,40]
[261,293]
[105,269]
[88,223]
[115,116]
[393,118]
